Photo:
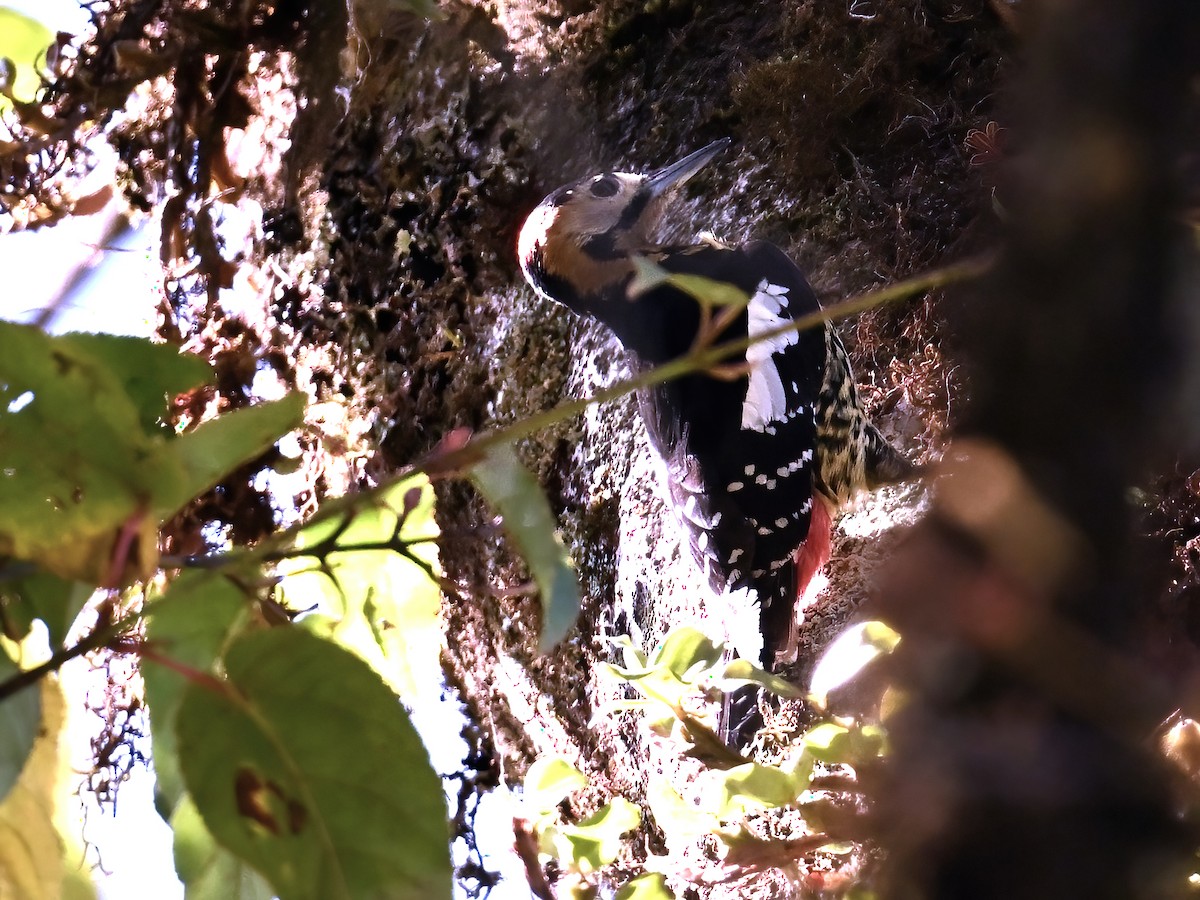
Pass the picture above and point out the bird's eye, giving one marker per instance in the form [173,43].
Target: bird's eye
[604,186]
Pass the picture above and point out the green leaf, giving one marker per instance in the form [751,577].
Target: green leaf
[377,603]
[515,494]
[684,650]
[215,448]
[37,858]
[647,886]
[596,841]
[742,671]
[828,742]
[630,652]
[207,870]
[307,767]
[680,821]
[20,720]
[77,471]
[85,469]
[186,630]
[848,656]
[24,41]
[548,782]
[151,374]
[648,275]
[754,787]
[54,600]
[833,743]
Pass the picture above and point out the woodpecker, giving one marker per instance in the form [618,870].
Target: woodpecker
[757,464]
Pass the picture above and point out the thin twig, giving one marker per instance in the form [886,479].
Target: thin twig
[93,640]
[699,360]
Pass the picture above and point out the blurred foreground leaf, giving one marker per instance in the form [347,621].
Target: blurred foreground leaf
[186,632]
[86,473]
[20,720]
[306,766]
[56,601]
[209,871]
[23,41]
[34,860]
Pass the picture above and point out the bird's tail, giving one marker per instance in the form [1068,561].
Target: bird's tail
[884,464]
[741,718]
[782,597]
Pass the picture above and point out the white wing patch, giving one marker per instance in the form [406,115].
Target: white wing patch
[765,398]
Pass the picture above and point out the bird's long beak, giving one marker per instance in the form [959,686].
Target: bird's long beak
[677,173]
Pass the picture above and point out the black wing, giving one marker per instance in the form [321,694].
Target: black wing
[740,452]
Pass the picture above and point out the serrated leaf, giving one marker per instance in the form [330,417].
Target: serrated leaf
[24,41]
[188,627]
[548,782]
[596,841]
[215,448]
[755,787]
[742,671]
[515,494]
[377,603]
[207,870]
[832,743]
[648,886]
[307,767]
[20,720]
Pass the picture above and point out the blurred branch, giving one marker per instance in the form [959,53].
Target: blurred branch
[1021,764]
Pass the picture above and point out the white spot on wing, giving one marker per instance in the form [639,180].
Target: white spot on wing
[765,398]
[734,486]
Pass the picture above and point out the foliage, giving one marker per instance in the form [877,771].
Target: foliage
[678,680]
[22,42]
[285,762]
[583,848]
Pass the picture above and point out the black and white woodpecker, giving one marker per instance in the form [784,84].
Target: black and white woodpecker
[757,465]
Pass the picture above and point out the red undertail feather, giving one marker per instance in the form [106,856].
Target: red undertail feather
[812,555]
[782,635]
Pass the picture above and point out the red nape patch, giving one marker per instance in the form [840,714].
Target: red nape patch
[812,555]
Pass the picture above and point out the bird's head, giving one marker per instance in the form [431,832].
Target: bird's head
[580,239]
